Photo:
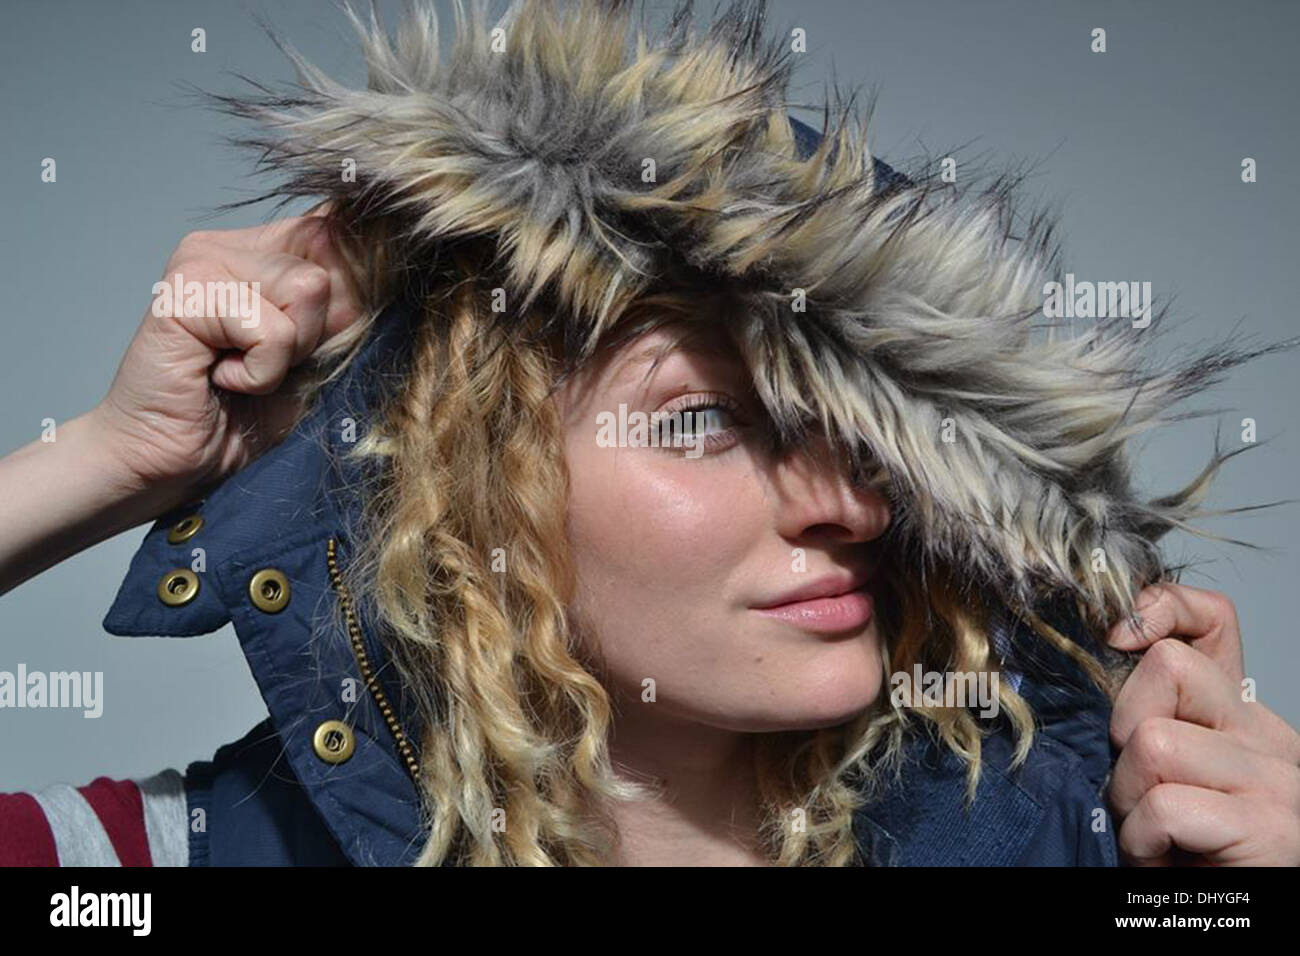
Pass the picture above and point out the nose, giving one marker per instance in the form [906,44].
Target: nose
[817,499]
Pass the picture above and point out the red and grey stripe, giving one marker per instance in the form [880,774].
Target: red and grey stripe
[105,823]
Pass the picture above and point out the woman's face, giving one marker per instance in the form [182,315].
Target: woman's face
[676,552]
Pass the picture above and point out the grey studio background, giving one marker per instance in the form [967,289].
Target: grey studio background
[1139,147]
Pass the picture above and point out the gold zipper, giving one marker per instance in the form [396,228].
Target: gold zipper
[372,682]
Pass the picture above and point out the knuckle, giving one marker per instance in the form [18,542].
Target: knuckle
[1168,657]
[309,283]
[183,253]
[198,239]
[1154,742]
[1162,803]
[1223,607]
[281,334]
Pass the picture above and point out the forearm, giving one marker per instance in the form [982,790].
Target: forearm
[59,497]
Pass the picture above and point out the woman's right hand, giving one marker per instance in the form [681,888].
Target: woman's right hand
[194,398]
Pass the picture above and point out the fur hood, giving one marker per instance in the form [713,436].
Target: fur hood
[900,313]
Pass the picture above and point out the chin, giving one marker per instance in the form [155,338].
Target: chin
[819,717]
[833,693]
[811,704]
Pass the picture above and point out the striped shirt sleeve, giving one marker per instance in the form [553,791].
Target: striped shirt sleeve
[105,823]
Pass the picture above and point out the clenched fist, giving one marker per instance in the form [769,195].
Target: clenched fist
[1203,770]
[194,398]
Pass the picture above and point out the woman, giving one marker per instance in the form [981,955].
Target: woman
[842,602]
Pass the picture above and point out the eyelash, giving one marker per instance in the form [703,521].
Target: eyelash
[703,401]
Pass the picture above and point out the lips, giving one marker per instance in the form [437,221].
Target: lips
[829,586]
[829,605]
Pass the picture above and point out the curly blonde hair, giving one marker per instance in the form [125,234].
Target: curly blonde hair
[514,718]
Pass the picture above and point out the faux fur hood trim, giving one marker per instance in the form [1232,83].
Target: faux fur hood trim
[921,347]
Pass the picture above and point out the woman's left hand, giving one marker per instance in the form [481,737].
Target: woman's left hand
[1203,769]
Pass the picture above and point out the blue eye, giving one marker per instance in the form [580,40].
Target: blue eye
[694,422]
[707,421]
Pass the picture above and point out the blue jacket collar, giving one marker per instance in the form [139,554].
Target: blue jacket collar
[278,514]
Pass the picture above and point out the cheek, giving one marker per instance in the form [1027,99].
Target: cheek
[656,544]
[660,530]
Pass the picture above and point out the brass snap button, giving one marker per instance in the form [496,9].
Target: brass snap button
[269,590]
[185,529]
[178,586]
[334,741]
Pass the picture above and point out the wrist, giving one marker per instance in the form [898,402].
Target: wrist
[60,496]
[136,497]
[100,452]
